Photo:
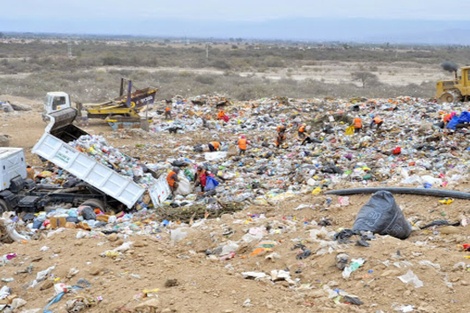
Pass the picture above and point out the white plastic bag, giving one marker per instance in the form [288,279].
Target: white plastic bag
[213,156]
[410,277]
[184,186]
[178,234]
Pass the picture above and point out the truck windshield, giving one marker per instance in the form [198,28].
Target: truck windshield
[57,101]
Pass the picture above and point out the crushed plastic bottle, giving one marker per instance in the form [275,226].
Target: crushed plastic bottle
[353,266]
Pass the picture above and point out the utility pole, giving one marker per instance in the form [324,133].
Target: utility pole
[69,50]
[207,51]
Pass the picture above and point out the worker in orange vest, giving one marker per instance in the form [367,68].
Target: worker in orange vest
[168,113]
[357,123]
[447,117]
[172,179]
[376,120]
[281,128]
[221,115]
[214,146]
[301,131]
[242,144]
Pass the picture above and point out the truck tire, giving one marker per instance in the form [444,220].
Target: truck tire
[95,203]
[3,206]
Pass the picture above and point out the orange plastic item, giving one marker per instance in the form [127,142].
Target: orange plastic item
[257,251]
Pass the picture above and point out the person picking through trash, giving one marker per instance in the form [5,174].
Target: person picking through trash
[376,120]
[172,179]
[447,117]
[281,137]
[30,172]
[242,144]
[222,116]
[168,112]
[281,128]
[357,123]
[214,146]
[200,177]
[301,132]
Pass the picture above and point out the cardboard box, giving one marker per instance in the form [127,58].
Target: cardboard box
[57,222]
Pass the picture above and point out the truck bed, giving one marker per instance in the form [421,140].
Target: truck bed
[53,146]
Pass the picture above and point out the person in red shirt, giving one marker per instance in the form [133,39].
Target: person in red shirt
[200,177]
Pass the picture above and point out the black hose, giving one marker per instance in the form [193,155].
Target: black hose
[403,190]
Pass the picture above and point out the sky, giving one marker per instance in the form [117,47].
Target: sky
[250,18]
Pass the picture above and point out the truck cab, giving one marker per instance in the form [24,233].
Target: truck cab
[55,101]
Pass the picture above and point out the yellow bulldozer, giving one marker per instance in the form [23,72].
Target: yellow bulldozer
[127,105]
[457,89]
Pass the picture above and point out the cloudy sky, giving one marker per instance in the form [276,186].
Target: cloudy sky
[250,18]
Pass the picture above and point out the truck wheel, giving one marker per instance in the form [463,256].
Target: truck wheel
[3,206]
[95,203]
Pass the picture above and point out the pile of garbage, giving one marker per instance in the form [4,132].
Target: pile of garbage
[210,100]
[308,246]
[412,148]
[101,151]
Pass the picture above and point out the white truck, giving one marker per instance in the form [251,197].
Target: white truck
[22,194]
[97,181]
[55,101]
[53,146]
[12,169]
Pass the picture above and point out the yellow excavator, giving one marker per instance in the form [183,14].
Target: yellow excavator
[457,89]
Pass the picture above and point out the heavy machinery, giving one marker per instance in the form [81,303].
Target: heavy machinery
[125,108]
[457,89]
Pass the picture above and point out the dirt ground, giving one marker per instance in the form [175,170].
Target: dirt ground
[181,277]
[332,72]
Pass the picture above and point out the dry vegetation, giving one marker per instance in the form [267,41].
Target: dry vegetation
[241,70]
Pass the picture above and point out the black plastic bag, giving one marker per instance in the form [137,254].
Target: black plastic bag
[383,216]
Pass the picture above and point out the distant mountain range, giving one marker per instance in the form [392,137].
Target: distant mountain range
[377,30]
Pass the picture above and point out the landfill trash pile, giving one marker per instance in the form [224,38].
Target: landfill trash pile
[101,151]
[282,244]
[410,149]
